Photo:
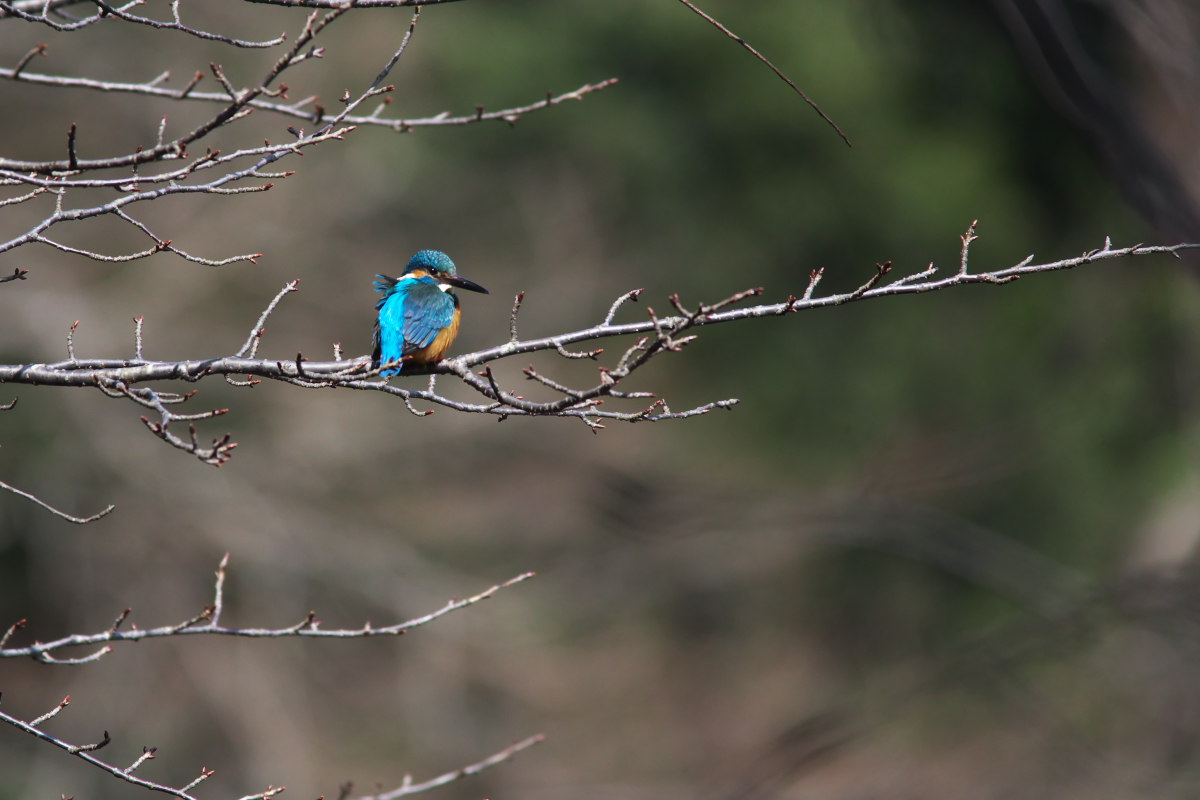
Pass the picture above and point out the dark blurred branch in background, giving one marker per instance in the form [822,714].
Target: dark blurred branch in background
[1063,614]
[1061,43]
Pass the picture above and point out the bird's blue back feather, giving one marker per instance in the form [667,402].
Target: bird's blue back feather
[411,313]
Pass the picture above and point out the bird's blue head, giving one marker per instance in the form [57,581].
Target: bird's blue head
[438,266]
[432,261]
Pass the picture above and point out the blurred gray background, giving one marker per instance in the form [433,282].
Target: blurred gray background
[944,548]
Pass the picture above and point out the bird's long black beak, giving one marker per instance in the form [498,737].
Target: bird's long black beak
[463,283]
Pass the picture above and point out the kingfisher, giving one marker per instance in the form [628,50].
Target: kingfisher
[418,313]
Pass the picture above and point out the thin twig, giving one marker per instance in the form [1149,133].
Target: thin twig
[716,24]
[137,336]
[512,319]
[256,333]
[60,514]
[85,751]
[408,787]
[967,238]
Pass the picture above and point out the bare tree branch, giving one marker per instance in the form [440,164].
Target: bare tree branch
[306,109]
[58,178]
[208,623]
[13,8]
[408,787]
[176,148]
[85,752]
[357,3]
[119,377]
[60,514]
[144,175]
[39,11]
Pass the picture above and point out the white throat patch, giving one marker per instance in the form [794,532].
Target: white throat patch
[445,287]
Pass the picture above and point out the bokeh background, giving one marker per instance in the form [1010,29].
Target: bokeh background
[945,547]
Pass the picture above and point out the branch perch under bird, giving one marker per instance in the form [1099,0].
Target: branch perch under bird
[657,334]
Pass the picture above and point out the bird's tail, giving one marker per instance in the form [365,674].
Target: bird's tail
[385,283]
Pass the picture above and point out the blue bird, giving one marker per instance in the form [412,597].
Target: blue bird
[418,314]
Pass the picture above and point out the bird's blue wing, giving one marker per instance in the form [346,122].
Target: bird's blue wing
[411,313]
[427,309]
